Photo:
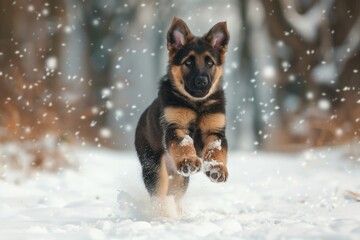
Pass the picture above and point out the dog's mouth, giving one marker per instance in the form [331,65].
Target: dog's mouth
[197,93]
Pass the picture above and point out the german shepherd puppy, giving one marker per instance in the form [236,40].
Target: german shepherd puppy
[183,129]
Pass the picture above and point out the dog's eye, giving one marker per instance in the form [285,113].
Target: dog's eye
[189,63]
[210,63]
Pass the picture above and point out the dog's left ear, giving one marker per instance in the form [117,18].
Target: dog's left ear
[218,36]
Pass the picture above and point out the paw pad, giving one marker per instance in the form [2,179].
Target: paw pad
[216,171]
[189,166]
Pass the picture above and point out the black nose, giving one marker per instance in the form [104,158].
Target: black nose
[201,82]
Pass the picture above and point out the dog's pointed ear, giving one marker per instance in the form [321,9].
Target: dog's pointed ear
[178,34]
[218,36]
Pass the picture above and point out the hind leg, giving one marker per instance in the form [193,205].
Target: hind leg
[177,182]
[177,187]
[156,179]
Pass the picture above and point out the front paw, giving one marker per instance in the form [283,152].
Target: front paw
[188,166]
[216,171]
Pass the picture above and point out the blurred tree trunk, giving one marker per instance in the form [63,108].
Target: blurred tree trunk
[248,72]
[29,56]
[312,71]
[27,77]
[105,29]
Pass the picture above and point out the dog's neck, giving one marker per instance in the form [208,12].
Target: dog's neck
[172,96]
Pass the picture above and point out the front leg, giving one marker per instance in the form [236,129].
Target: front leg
[177,141]
[182,151]
[214,152]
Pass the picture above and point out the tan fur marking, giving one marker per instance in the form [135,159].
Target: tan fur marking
[218,74]
[176,186]
[210,102]
[181,133]
[176,182]
[213,154]
[177,74]
[208,124]
[182,117]
[217,155]
[200,63]
[207,54]
[178,82]
[163,180]
[212,122]
[178,153]
[222,57]
[187,56]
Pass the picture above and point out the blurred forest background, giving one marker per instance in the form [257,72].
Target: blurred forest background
[83,71]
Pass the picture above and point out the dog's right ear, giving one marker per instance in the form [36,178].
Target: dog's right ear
[178,35]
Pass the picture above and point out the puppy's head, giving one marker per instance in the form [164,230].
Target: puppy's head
[195,63]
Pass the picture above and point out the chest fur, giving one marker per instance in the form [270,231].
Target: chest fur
[186,118]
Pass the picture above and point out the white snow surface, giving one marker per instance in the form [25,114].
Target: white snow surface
[267,196]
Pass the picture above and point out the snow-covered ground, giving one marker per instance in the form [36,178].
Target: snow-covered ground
[267,196]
